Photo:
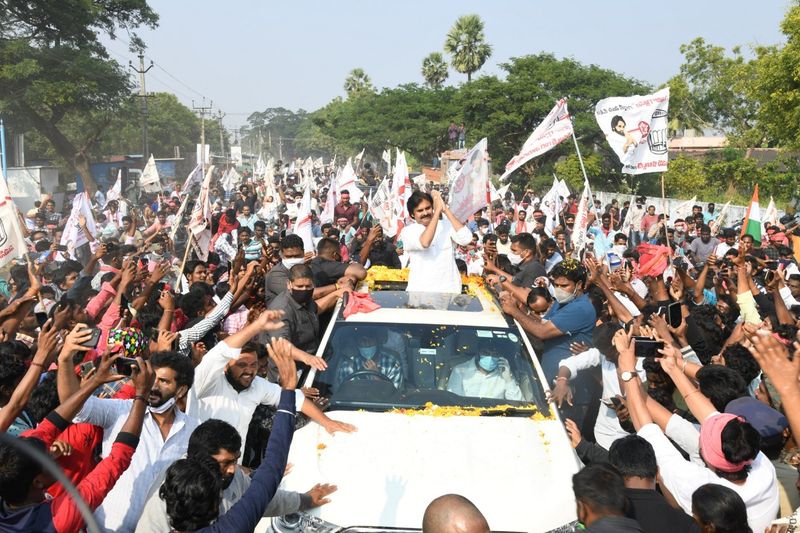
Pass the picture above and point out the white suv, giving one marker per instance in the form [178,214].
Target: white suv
[430,422]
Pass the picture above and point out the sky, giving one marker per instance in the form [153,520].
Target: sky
[248,55]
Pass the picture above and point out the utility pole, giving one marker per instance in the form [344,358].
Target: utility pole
[143,95]
[280,148]
[202,109]
[220,115]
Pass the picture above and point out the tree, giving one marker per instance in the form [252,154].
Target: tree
[466,45]
[279,124]
[53,66]
[358,83]
[434,70]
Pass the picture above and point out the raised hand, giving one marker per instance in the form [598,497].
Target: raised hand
[280,351]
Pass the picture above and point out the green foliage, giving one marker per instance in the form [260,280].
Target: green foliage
[434,70]
[467,45]
[275,125]
[569,169]
[358,83]
[52,64]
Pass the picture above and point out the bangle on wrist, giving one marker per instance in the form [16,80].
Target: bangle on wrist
[40,365]
[140,397]
[687,395]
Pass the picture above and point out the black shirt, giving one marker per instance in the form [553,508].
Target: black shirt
[655,515]
[300,322]
[275,281]
[528,272]
[326,271]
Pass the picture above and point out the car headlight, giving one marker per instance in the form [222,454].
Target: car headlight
[302,522]
[567,528]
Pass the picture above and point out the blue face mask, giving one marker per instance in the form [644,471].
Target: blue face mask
[367,352]
[487,362]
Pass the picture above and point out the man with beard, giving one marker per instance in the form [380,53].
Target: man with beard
[219,441]
[227,387]
[344,209]
[165,434]
[378,250]
[701,248]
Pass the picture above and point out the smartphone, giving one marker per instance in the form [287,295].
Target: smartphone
[125,365]
[61,248]
[41,318]
[95,338]
[647,347]
[86,367]
[674,316]
[769,276]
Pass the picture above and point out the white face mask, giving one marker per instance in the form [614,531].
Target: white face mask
[162,408]
[292,261]
[562,296]
[513,258]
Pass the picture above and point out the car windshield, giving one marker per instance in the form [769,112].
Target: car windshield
[385,366]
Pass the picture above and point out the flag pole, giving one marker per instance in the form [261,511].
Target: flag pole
[580,157]
[666,214]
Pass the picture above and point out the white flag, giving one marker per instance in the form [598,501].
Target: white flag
[469,191]
[401,187]
[347,182]
[330,203]
[551,206]
[236,155]
[581,221]
[770,216]
[201,214]
[386,156]
[359,157]
[230,180]
[382,208]
[195,176]
[12,241]
[149,180]
[73,237]
[683,209]
[302,226]
[636,129]
[555,127]
[719,222]
[115,192]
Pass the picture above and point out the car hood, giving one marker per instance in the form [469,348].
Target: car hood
[517,470]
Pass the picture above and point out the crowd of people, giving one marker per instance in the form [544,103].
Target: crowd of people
[162,378]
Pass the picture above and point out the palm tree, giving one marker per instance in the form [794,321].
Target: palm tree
[434,70]
[466,45]
[357,82]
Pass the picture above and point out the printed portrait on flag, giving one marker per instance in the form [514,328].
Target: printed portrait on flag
[636,129]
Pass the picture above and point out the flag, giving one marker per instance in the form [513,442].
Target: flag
[401,188]
[771,213]
[469,191]
[149,180]
[386,156]
[260,168]
[421,181]
[200,221]
[115,192]
[230,180]
[555,127]
[551,206]
[347,181]
[236,155]
[73,237]
[330,203]
[381,206]
[684,209]
[195,176]
[359,157]
[636,129]
[752,221]
[302,227]
[581,221]
[12,240]
[720,220]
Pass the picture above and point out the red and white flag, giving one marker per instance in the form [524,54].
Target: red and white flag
[555,127]
[581,221]
[330,203]
[302,227]
[347,182]
[12,241]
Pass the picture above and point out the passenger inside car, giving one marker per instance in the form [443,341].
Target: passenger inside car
[486,375]
[370,359]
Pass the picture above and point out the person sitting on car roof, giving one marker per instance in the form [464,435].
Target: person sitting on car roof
[487,375]
[370,356]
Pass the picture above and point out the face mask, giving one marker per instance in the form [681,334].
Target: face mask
[487,362]
[302,296]
[514,259]
[162,408]
[367,352]
[562,296]
[289,262]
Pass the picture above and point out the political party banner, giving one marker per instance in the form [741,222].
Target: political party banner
[469,191]
[581,222]
[12,241]
[203,155]
[194,177]
[555,127]
[230,179]
[73,236]
[382,208]
[236,155]
[401,187]
[636,129]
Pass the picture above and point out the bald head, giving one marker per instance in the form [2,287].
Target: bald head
[452,513]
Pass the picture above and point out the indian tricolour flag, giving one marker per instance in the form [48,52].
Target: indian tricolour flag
[752,221]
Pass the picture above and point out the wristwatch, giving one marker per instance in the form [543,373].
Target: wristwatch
[626,376]
[502,279]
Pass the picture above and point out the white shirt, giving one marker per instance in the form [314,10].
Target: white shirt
[467,380]
[433,269]
[212,396]
[121,509]
[607,428]
[682,478]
